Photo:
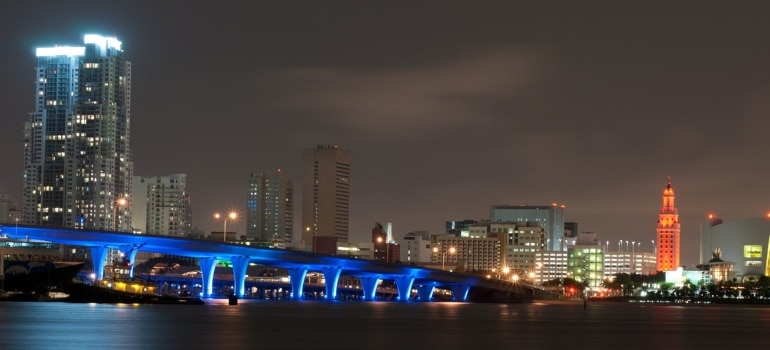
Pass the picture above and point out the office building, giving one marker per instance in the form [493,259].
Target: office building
[161,205]
[668,232]
[459,228]
[480,253]
[550,217]
[743,243]
[270,207]
[385,248]
[415,247]
[325,197]
[640,263]
[519,244]
[77,157]
[585,262]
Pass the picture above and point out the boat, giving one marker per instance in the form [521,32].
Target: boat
[33,270]
[38,277]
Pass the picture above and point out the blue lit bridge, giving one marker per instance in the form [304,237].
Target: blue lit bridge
[297,263]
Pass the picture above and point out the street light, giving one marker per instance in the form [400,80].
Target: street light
[120,202]
[232,216]
[452,250]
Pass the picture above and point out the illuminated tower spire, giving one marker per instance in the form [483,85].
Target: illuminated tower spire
[668,232]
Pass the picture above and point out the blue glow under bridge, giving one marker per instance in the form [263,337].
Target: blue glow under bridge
[297,263]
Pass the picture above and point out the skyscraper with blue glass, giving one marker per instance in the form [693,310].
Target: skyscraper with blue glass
[77,157]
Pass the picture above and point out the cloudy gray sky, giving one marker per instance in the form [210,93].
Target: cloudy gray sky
[447,107]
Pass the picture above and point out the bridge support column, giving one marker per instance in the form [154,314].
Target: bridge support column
[404,285]
[129,255]
[98,259]
[425,291]
[207,275]
[240,264]
[369,285]
[297,279]
[332,277]
[460,292]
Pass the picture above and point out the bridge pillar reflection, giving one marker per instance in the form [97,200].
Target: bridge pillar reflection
[460,291]
[98,259]
[404,285]
[207,275]
[297,279]
[129,256]
[332,277]
[425,291]
[240,264]
[369,285]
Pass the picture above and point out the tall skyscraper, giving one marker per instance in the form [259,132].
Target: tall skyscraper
[325,197]
[668,232]
[550,217]
[270,207]
[161,205]
[77,157]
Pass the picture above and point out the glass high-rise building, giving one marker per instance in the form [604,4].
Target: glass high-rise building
[325,197]
[161,205]
[270,207]
[550,217]
[77,156]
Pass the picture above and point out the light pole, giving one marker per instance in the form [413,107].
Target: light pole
[620,245]
[118,203]
[452,250]
[653,246]
[626,246]
[232,216]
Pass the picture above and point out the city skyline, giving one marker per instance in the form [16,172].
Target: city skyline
[446,109]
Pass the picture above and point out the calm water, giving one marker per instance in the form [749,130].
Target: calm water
[359,325]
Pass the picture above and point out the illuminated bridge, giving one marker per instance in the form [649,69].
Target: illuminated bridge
[297,263]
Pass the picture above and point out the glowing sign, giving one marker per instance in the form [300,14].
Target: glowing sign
[752,251]
[60,51]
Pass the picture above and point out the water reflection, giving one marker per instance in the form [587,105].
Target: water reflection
[376,325]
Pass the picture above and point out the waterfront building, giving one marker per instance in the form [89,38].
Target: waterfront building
[668,232]
[642,263]
[161,205]
[585,261]
[459,228]
[550,265]
[415,247]
[550,217]
[385,249]
[520,243]
[743,243]
[270,207]
[77,156]
[325,197]
[466,253]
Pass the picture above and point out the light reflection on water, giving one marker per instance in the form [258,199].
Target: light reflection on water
[361,325]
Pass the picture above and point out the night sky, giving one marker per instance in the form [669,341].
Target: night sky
[447,107]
